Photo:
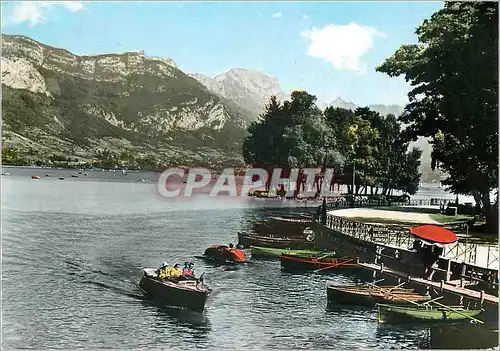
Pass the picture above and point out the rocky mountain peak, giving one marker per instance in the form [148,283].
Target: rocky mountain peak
[249,89]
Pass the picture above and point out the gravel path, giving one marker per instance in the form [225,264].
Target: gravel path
[384,214]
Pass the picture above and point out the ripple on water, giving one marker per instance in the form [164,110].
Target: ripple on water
[70,280]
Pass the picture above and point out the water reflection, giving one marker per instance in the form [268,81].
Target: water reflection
[176,323]
[463,336]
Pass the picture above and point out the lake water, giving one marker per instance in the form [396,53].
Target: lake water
[72,254]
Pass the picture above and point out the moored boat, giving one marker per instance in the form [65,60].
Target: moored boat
[258,251]
[224,254]
[318,263]
[424,313]
[293,219]
[191,294]
[289,229]
[369,296]
[35,177]
[250,239]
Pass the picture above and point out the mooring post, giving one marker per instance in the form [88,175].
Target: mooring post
[441,285]
[448,271]
[381,267]
[357,261]
[482,296]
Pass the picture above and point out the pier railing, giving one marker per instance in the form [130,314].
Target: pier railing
[342,203]
[480,255]
[485,256]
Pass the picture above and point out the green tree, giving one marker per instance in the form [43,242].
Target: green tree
[294,134]
[454,74]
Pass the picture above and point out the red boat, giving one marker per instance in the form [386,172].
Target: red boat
[224,254]
[294,262]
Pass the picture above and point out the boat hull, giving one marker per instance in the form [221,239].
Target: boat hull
[372,296]
[182,294]
[258,251]
[247,240]
[401,314]
[224,254]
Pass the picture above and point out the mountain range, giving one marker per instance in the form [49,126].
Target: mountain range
[56,102]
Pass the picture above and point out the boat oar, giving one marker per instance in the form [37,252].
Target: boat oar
[328,254]
[458,312]
[374,282]
[396,296]
[432,300]
[393,288]
[334,265]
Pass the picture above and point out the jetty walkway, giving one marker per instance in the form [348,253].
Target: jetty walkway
[475,263]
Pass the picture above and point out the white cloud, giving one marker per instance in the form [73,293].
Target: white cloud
[306,17]
[277,15]
[35,12]
[341,45]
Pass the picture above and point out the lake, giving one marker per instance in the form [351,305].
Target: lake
[73,251]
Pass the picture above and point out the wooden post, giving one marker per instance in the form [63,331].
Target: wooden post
[381,267]
[441,285]
[448,271]
[482,297]
[357,261]
[462,275]
[488,258]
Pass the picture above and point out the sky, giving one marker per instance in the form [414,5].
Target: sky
[329,49]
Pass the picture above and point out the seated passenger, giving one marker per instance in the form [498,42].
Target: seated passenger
[163,271]
[191,268]
[176,271]
[186,270]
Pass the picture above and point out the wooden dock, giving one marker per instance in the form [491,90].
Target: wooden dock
[442,286]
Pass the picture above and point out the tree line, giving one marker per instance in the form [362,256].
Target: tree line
[297,134]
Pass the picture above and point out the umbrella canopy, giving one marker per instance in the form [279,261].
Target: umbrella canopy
[434,233]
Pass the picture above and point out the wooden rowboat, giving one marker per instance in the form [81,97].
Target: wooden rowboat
[191,294]
[258,251]
[290,229]
[369,296]
[250,239]
[424,313]
[319,263]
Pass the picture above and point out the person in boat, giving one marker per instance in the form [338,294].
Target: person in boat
[186,271]
[176,271]
[173,272]
[191,269]
[162,271]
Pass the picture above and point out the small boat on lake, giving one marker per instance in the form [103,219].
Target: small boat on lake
[424,313]
[305,219]
[224,254]
[318,263]
[259,251]
[370,295]
[251,239]
[35,177]
[191,294]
